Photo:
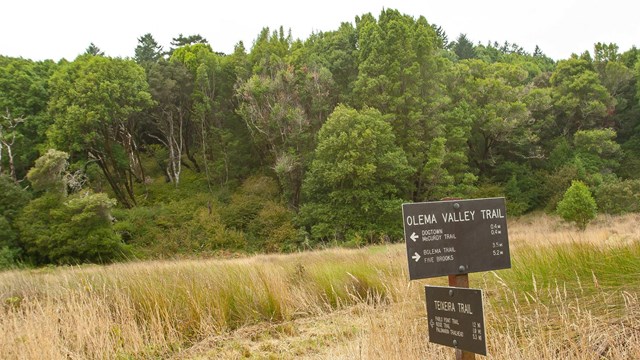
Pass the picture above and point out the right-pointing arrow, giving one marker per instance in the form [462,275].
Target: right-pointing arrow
[414,237]
[416,257]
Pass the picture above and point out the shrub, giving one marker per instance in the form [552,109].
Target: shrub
[247,202]
[577,205]
[69,230]
[618,197]
[273,228]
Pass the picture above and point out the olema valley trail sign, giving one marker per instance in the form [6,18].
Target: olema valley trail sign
[454,238]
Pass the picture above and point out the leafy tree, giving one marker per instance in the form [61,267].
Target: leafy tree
[578,205]
[500,119]
[60,228]
[12,200]
[618,196]
[47,174]
[23,116]
[581,102]
[93,101]
[402,75]
[597,149]
[69,230]
[356,181]
[171,86]
[283,107]
[270,51]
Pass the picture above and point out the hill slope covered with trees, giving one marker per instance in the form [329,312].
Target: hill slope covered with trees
[299,143]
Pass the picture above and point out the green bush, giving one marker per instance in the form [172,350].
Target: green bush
[618,197]
[577,205]
[185,227]
[70,230]
[273,228]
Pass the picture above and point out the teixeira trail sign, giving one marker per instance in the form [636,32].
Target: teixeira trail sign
[456,237]
[456,318]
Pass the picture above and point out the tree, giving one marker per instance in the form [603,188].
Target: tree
[401,75]
[171,86]
[8,134]
[493,94]
[355,184]
[182,40]
[581,102]
[148,50]
[47,174]
[23,116]
[12,199]
[93,103]
[463,48]
[66,229]
[93,50]
[336,51]
[577,205]
[278,125]
[284,105]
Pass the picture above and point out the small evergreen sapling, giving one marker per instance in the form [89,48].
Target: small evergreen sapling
[577,205]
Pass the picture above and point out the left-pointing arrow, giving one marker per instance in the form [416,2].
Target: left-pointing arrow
[414,237]
[416,257]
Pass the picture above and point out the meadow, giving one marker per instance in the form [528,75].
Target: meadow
[569,295]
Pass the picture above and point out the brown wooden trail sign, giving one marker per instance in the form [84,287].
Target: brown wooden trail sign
[456,237]
[455,318]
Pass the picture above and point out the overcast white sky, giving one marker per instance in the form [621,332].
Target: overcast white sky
[46,29]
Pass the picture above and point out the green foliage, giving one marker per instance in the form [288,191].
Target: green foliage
[463,48]
[181,227]
[618,196]
[522,187]
[580,100]
[272,229]
[597,149]
[148,51]
[8,255]
[357,179]
[77,229]
[24,93]
[47,174]
[171,139]
[93,101]
[255,210]
[577,205]
[12,199]
[248,201]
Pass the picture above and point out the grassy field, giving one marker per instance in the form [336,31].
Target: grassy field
[569,295]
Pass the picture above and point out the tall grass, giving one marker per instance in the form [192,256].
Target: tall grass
[569,295]
[155,308]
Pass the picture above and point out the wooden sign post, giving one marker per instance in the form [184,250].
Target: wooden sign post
[462,281]
[455,237]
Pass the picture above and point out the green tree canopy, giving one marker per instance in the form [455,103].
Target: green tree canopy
[357,179]
[93,103]
[578,205]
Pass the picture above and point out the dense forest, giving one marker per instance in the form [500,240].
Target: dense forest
[295,144]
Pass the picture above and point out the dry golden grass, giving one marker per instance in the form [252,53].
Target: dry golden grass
[332,304]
